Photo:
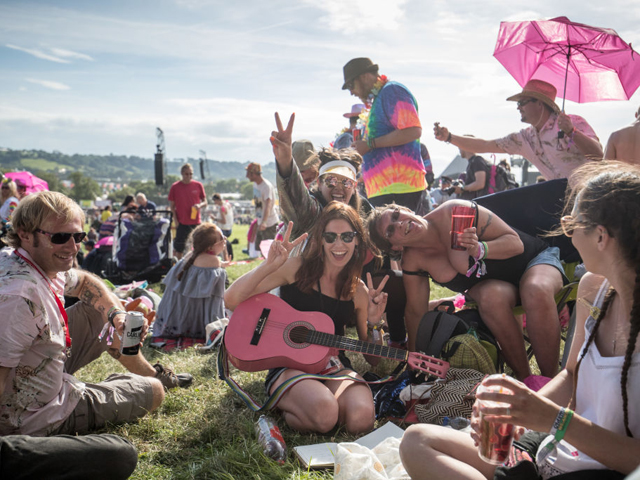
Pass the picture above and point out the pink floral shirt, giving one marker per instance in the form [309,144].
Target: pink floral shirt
[553,157]
[38,396]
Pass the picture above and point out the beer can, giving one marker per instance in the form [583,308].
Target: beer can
[132,336]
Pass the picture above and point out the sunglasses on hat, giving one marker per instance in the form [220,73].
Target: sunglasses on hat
[346,237]
[61,238]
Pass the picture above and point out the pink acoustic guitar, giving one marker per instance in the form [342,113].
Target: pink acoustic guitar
[265,332]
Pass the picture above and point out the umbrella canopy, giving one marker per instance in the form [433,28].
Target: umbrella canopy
[29,180]
[585,64]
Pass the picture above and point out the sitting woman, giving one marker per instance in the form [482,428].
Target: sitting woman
[194,294]
[326,278]
[602,378]
[498,266]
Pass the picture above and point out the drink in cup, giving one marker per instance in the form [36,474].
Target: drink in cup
[194,213]
[495,438]
[461,218]
[356,134]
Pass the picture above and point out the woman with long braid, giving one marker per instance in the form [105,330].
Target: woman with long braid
[601,439]
[194,294]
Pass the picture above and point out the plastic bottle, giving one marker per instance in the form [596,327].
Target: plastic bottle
[457,423]
[271,440]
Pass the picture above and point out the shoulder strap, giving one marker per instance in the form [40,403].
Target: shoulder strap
[436,328]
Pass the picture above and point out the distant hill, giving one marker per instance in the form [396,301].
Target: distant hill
[105,168]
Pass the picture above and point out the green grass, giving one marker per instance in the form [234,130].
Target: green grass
[206,431]
[35,164]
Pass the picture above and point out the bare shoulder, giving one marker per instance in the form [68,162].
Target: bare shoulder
[589,286]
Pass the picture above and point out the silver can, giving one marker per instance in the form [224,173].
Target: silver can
[132,336]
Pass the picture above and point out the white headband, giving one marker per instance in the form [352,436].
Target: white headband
[336,165]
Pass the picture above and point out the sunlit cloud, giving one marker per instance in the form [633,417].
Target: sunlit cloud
[39,54]
[61,52]
[359,15]
[49,84]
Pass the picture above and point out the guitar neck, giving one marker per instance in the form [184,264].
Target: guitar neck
[353,345]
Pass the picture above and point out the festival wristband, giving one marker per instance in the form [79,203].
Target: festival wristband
[113,311]
[557,423]
[486,250]
[565,423]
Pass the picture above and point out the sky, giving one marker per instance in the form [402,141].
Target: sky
[99,77]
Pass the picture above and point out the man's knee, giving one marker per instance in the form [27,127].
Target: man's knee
[158,393]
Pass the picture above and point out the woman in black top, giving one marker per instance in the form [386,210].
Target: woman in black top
[518,266]
[325,278]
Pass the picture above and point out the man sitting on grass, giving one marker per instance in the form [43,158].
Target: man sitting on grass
[38,394]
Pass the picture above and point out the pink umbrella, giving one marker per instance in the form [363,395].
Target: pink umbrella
[29,180]
[587,64]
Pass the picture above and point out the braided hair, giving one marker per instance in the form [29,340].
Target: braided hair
[608,195]
[202,238]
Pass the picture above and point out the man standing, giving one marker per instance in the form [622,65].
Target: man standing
[392,170]
[624,144]
[268,223]
[186,198]
[555,143]
[146,208]
[476,180]
[42,344]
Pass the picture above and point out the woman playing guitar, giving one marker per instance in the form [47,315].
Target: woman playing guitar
[325,278]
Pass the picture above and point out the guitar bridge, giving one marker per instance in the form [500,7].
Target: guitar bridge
[257,333]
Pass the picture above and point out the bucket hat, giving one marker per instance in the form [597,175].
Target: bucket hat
[304,154]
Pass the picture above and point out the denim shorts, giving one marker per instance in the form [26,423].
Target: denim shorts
[549,256]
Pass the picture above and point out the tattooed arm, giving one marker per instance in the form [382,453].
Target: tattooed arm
[502,241]
[92,291]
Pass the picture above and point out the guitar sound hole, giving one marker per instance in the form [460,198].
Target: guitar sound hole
[299,334]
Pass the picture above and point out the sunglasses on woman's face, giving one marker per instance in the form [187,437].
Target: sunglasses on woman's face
[61,238]
[346,237]
[569,225]
[332,181]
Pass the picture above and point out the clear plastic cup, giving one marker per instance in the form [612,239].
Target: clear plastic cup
[495,438]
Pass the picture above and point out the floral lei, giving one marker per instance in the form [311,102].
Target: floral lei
[363,118]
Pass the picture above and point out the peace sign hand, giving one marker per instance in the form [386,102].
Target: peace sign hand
[281,140]
[377,299]
[280,249]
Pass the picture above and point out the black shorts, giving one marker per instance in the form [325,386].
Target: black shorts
[182,233]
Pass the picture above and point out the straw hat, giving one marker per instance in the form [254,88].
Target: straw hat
[543,91]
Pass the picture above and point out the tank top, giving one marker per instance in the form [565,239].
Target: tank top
[599,399]
[342,312]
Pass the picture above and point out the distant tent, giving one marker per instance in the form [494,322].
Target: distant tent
[457,166]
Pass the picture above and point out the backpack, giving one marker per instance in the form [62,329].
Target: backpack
[451,338]
[498,179]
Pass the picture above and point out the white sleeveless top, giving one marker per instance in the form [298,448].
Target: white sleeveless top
[599,399]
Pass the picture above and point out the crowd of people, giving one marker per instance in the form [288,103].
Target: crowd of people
[357,236]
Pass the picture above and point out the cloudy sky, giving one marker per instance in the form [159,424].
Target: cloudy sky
[99,77]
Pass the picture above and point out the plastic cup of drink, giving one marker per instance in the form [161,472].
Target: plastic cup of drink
[461,218]
[194,213]
[356,134]
[495,438]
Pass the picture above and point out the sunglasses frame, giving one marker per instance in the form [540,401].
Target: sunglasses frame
[78,237]
[566,229]
[344,182]
[522,103]
[333,236]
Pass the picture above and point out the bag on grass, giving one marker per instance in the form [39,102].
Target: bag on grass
[451,397]
[447,336]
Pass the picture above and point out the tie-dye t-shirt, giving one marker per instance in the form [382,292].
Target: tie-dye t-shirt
[392,170]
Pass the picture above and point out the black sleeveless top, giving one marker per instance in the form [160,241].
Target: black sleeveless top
[509,270]
[342,312]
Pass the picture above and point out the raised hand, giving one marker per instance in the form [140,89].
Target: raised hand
[281,142]
[377,298]
[441,133]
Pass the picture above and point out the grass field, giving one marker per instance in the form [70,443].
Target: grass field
[206,431]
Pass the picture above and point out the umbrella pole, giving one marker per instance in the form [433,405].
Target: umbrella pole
[564,93]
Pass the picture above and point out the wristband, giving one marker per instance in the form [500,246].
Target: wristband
[113,311]
[557,423]
[486,250]
[448,140]
[559,435]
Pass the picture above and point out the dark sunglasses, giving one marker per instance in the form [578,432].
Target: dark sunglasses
[5,187]
[61,238]
[522,103]
[346,237]
[332,181]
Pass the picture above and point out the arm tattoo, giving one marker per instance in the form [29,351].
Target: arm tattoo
[483,229]
[115,353]
[90,295]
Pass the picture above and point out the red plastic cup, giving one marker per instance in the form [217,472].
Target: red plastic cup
[356,134]
[495,438]
[461,219]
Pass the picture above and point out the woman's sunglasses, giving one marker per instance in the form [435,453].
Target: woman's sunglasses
[346,237]
[61,238]
[332,181]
